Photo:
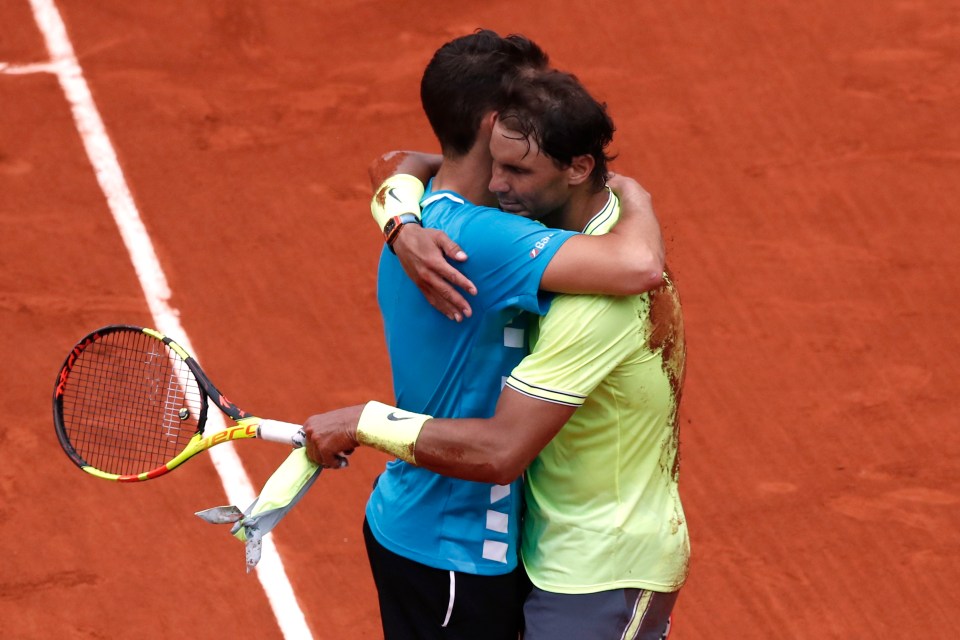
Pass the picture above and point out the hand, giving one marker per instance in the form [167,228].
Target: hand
[331,436]
[422,253]
[637,215]
[627,188]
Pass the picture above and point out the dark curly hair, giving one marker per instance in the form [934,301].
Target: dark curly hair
[553,109]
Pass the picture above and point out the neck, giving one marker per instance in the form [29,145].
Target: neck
[468,175]
[580,208]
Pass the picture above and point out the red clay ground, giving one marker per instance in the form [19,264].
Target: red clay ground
[805,163]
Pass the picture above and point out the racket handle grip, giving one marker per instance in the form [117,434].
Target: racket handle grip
[282,432]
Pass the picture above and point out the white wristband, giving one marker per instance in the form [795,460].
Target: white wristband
[397,195]
[390,430]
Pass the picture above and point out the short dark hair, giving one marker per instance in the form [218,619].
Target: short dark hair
[554,110]
[466,78]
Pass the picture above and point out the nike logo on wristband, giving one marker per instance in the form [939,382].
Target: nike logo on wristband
[393,416]
[393,195]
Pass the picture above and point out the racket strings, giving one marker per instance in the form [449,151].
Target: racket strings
[130,404]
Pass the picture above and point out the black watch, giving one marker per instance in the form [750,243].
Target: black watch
[392,229]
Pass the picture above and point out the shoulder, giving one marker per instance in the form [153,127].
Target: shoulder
[447,206]
[486,233]
[500,230]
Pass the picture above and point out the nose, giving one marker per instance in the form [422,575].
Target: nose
[497,182]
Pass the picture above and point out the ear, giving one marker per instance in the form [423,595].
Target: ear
[487,122]
[579,169]
[485,132]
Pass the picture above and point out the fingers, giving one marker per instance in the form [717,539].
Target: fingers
[449,309]
[445,280]
[317,452]
[334,461]
[450,248]
[626,187]
[437,263]
[438,281]
[331,436]
[445,298]
[457,279]
[424,256]
[444,270]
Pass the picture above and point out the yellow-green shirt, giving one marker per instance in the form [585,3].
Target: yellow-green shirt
[603,509]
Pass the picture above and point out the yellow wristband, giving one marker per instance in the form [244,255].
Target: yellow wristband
[397,195]
[390,430]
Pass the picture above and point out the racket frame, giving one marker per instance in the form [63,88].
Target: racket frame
[247,426]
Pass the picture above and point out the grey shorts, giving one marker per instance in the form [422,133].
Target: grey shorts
[621,614]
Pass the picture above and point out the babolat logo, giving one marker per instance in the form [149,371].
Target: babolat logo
[538,247]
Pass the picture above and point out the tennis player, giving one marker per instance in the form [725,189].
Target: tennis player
[591,413]
[443,551]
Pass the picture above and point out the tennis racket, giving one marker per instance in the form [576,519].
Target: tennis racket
[130,404]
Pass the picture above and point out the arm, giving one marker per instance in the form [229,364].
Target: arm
[422,252]
[582,340]
[495,449]
[421,166]
[628,260]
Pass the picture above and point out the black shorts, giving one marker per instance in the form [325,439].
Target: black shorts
[418,602]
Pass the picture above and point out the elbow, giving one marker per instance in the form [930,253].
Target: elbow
[383,167]
[506,475]
[646,275]
[502,469]
[374,169]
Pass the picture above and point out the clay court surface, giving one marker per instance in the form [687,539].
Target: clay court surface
[804,160]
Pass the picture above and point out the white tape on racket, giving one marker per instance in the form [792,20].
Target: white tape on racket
[283,432]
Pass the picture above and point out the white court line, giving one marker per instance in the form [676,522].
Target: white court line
[23,69]
[102,156]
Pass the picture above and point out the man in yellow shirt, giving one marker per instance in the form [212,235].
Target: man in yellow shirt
[591,414]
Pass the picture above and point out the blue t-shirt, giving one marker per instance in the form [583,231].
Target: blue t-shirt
[456,370]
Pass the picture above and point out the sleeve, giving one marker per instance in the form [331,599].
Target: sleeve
[508,255]
[582,339]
